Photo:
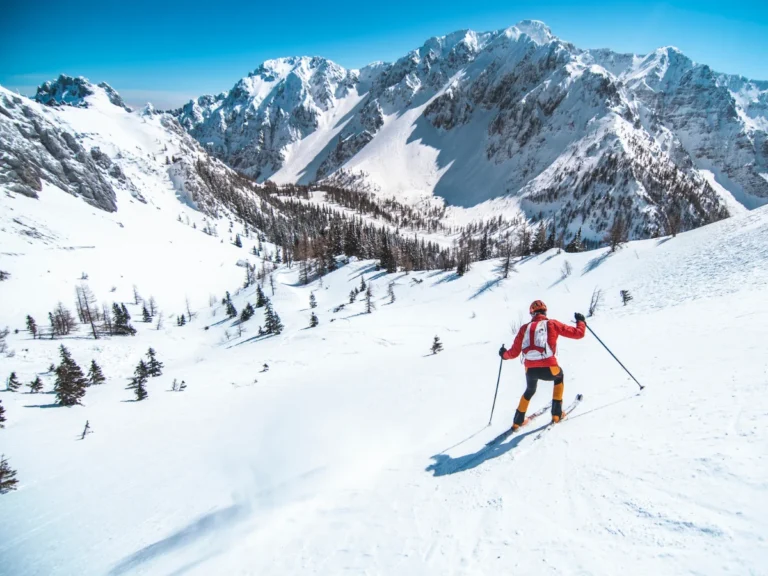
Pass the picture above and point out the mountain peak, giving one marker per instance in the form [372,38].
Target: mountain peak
[65,90]
[71,91]
[536,30]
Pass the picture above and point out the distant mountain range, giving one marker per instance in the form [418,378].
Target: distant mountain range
[512,121]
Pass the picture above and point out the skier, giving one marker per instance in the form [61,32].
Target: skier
[537,341]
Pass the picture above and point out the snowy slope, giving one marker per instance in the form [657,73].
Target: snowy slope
[359,451]
[89,183]
[575,135]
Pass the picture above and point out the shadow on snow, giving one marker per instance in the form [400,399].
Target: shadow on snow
[444,464]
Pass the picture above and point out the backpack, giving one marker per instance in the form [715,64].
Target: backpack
[535,346]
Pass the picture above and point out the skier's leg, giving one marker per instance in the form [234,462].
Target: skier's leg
[531,380]
[557,393]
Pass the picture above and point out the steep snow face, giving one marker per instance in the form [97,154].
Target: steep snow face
[36,147]
[96,149]
[279,103]
[475,116]
[718,122]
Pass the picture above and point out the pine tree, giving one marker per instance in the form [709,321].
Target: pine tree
[391,292]
[312,300]
[32,326]
[230,308]
[2,415]
[141,389]
[575,245]
[369,305]
[95,375]
[272,323]
[182,320]
[551,241]
[485,252]
[247,313]
[260,298]
[524,247]
[70,381]
[140,375]
[626,297]
[154,366]
[362,284]
[507,264]
[313,321]
[8,479]
[13,383]
[540,239]
[437,346]
[36,386]
[462,266]
[238,242]
[145,315]
[121,320]
[352,296]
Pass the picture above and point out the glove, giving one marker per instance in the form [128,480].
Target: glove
[580,317]
[502,351]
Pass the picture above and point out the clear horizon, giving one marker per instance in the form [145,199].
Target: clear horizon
[172,52]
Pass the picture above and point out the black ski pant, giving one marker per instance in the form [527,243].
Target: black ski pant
[532,376]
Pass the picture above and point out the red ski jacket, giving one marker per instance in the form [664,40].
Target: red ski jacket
[554,329]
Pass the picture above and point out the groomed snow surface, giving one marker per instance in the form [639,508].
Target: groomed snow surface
[360,452]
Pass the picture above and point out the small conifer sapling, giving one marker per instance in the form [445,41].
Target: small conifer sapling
[36,386]
[8,479]
[95,375]
[154,366]
[13,383]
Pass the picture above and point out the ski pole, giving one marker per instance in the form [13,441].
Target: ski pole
[614,356]
[501,363]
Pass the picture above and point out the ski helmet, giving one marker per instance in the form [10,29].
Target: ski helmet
[538,306]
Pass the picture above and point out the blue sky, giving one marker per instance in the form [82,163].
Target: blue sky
[168,52]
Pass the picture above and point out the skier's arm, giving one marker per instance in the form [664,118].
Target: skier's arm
[569,331]
[517,346]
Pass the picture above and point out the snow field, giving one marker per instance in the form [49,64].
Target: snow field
[360,451]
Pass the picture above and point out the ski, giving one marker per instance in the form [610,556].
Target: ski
[504,435]
[568,410]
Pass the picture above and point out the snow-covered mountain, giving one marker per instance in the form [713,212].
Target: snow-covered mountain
[69,91]
[82,139]
[562,132]
[341,444]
